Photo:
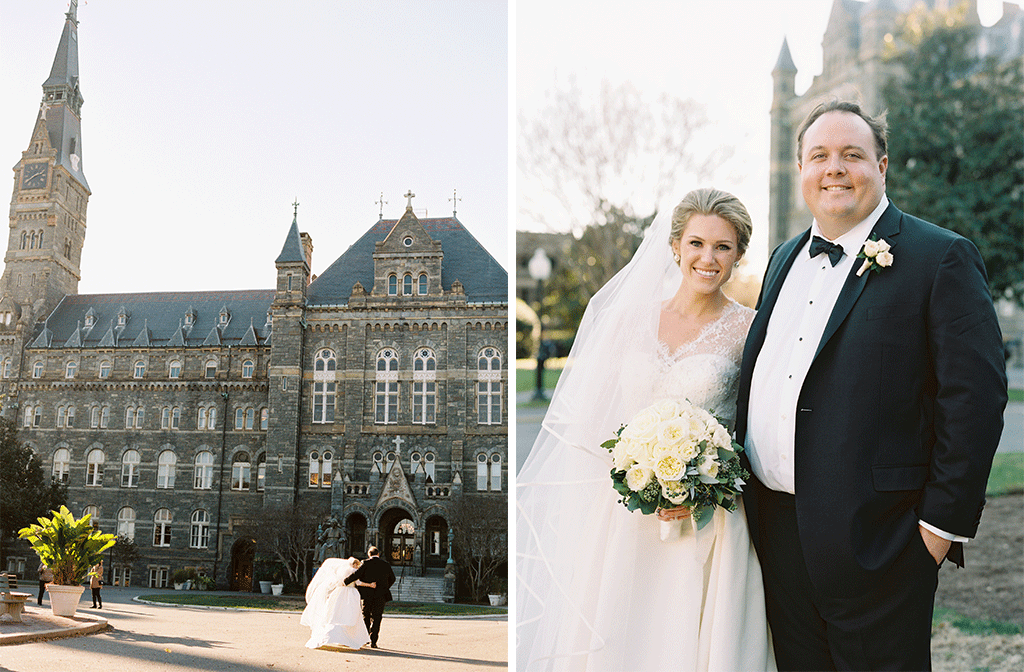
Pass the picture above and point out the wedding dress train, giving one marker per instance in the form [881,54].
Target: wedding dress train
[333,610]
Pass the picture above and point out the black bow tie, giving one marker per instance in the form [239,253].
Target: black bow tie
[819,245]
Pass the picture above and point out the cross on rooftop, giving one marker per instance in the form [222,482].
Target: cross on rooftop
[455,199]
[381,203]
[410,196]
[295,205]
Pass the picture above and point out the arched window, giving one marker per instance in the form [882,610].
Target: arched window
[489,387]
[240,471]
[105,369]
[24,239]
[429,468]
[392,284]
[70,369]
[211,368]
[320,466]
[495,473]
[62,416]
[247,368]
[407,285]
[126,522]
[386,397]
[32,241]
[61,465]
[424,387]
[175,418]
[7,362]
[174,369]
[94,467]
[423,284]
[203,471]
[324,386]
[165,417]
[130,469]
[250,417]
[261,472]
[37,369]
[94,417]
[481,472]
[139,371]
[264,418]
[93,512]
[71,417]
[166,465]
[389,461]
[162,527]
[201,417]
[104,417]
[378,462]
[40,239]
[199,533]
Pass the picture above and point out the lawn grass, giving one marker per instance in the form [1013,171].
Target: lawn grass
[1016,395]
[298,602]
[973,626]
[526,379]
[1007,475]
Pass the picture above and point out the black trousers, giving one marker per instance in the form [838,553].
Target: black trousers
[42,589]
[888,628]
[97,601]
[373,611]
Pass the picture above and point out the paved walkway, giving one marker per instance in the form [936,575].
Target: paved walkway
[149,638]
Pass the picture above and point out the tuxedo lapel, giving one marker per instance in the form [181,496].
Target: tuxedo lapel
[887,227]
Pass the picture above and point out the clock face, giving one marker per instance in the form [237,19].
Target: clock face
[34,176]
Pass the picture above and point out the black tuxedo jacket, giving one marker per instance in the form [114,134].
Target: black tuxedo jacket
[902,407]
[374,570]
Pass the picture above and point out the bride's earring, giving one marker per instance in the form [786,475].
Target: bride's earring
[675,258]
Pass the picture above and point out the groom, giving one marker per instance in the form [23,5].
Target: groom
[870,406]
[378,572]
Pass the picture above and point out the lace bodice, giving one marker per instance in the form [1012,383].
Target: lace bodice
[706,370]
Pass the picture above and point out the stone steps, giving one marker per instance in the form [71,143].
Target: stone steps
[418,589]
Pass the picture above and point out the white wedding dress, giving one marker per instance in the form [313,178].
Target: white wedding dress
[615,596]
[333,610]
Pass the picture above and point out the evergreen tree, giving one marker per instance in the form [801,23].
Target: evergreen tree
[956,141]
[26,490]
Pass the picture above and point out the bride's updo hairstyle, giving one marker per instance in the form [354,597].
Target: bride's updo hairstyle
[711,201]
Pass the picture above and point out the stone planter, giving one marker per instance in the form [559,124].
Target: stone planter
[64,599]
[265,587]
[496,600]
[277,588]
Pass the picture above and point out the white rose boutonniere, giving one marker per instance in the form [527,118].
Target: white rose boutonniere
[876,256]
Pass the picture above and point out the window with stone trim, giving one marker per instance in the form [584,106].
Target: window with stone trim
[261,472]
[392,285]
[130,469]
[264,418]
[158,576]
[71,417]
[162,527]
[378,462]
[203,474]
[407,285]
[199,532]
[240,471]
[105,369]
[320,466]
[424,387]
[489,387]
[37,369]
[325,367]
[61,465]
[174,369]
[429,468]
[248,367]
[211,368]
[7,368]
[94,468]
[488,472]
[166,466]
[423,284]
[126,522]
[93,512]
[386,397]
[70,369]
[94,417]
[139,369]
[62,416]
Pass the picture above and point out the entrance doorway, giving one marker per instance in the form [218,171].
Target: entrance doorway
[243,552]
[399,537]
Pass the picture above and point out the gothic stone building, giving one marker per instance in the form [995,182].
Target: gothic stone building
[376,391]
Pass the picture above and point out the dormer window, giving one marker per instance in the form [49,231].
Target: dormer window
[122,318]
[392,285]
[407,241]
[222,319]
[90,319]
[190,318]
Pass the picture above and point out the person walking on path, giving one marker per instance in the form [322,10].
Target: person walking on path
[378,572]
[96,584]
[45,577]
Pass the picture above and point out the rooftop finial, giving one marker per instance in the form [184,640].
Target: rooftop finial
[455,201]
[295,211]
[381,203]
[73,12]
[410,196]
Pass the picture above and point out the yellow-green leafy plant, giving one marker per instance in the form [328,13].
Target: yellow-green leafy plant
[69,547]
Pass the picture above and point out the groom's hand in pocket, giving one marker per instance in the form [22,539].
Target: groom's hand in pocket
[936,545]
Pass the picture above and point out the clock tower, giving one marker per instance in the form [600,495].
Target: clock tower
[47,216]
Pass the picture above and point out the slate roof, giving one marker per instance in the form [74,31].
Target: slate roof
[465,260]
[156,319]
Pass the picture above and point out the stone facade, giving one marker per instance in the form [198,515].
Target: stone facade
[377,392]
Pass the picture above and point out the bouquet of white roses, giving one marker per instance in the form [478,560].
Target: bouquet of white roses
[673,453]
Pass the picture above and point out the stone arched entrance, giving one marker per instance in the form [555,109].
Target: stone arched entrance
[243,552]
[399,534]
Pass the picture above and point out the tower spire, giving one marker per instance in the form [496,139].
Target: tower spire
[61,106]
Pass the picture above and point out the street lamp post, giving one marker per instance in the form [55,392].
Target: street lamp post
[539,267]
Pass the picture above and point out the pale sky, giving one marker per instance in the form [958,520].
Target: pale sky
[717,52]
[203,121]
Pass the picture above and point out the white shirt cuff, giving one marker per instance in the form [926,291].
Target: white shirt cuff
[942,533]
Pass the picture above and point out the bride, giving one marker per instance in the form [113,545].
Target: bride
[599,587]
[332,608]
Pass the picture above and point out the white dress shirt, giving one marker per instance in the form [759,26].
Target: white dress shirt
[797,322]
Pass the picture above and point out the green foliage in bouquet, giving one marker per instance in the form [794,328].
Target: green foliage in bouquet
[67,546]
